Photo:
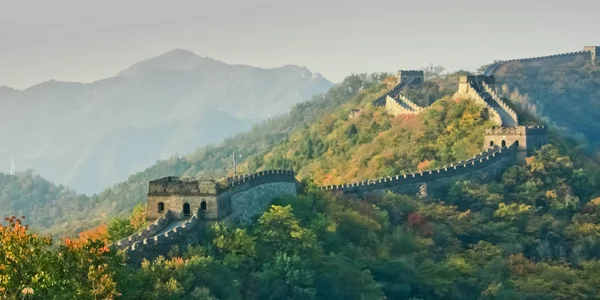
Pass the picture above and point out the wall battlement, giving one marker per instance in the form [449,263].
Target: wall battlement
[148,232]
[411,104]
[593,50]
[395,107]
[513,115]
[519,130]
[263,176]
[411,76]
[399,182]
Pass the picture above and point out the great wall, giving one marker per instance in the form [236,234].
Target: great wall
[178,209]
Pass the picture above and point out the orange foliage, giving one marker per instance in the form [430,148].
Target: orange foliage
[424,165]
[97,233]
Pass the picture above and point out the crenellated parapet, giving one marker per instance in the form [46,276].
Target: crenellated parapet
[411,104]
[526,139]
[150,231]
[160,244]
[405,77]
[494,159]
[511,112]
[470,91]
[411,76]
[587,50]
[261,177]
[395,107]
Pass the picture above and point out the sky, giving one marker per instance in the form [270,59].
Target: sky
[85,41]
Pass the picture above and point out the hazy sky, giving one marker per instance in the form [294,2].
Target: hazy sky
[80,40]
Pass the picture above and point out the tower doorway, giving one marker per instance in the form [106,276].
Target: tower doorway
[203,205]
[503,143]
[186,210]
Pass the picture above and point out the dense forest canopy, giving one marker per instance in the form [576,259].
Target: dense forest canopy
[530,234]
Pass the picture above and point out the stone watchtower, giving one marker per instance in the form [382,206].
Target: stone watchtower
[527,139]
[594,51]
[182,197]
[411,76]
[473,79]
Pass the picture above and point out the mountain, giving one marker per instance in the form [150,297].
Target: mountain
[563,91]
[91,135]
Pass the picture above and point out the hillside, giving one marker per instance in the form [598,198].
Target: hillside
[173,103]
[564,92]
[209,161]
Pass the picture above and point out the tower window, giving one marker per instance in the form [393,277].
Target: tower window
[161,207]
[203,205]
[517,143]
[186,210]
[503,143]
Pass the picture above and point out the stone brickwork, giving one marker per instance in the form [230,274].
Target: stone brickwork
[587,50]
[594,51]
[249,203]
[526,139]
[405,77]
[513,115]
[411,76]
[480,167]
[469,91]
[397,107]
[251,194]
[150,231]
[182,197]
[189,232]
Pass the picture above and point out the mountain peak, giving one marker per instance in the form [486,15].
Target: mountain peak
[176,59]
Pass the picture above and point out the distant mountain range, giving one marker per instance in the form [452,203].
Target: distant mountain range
[90,135]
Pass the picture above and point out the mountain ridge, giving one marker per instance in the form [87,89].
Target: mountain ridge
[63,118]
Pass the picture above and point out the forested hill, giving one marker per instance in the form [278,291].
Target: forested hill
[564,92]
[210,161]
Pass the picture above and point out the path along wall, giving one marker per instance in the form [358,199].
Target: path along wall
[190,232]
[411,104]
[488,89]
[493,67]
[471,92]
[150,231]
[481,167]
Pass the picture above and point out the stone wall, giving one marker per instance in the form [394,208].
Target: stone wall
[411,104]
[493,67]
[172,193]
[251,195]
[594,51]
[488,89]
[150,231]
[469,91]
[395,108]
[189,232]
[525,138]
[480,167]
[411,76]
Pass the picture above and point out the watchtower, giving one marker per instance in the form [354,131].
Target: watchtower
[473,79]
[594,51]
[411,76]
[527,139]
[182,197]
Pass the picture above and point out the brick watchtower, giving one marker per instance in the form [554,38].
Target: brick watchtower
[527,139]
[182,197]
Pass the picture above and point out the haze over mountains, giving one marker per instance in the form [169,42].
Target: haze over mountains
[90,135]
